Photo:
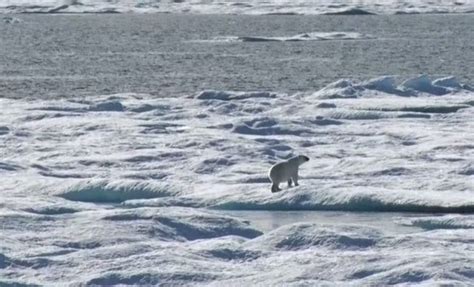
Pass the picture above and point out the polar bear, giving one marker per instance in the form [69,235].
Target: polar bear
[286,171]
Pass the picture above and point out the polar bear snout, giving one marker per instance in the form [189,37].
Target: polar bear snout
[302,159]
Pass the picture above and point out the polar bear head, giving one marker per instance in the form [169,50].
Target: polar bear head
[302,159]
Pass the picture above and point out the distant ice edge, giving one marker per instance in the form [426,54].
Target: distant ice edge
[346,88]
[259,7]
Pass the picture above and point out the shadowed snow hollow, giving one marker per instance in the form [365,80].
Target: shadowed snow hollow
[112,192]
[306,235]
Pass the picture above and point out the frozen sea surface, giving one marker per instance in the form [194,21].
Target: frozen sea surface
[253,7]
[134,150]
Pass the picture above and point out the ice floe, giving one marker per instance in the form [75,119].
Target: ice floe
[149,190]
[312,36]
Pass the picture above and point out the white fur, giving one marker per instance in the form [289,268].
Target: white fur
[286,171]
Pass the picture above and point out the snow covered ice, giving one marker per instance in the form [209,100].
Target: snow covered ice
[253,7]
[135,149]
[133,189]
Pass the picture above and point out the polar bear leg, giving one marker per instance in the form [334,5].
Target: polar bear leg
[289,182]
[294,177]
[275,187]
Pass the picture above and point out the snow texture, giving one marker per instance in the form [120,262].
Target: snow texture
[252,7]
[132,189]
